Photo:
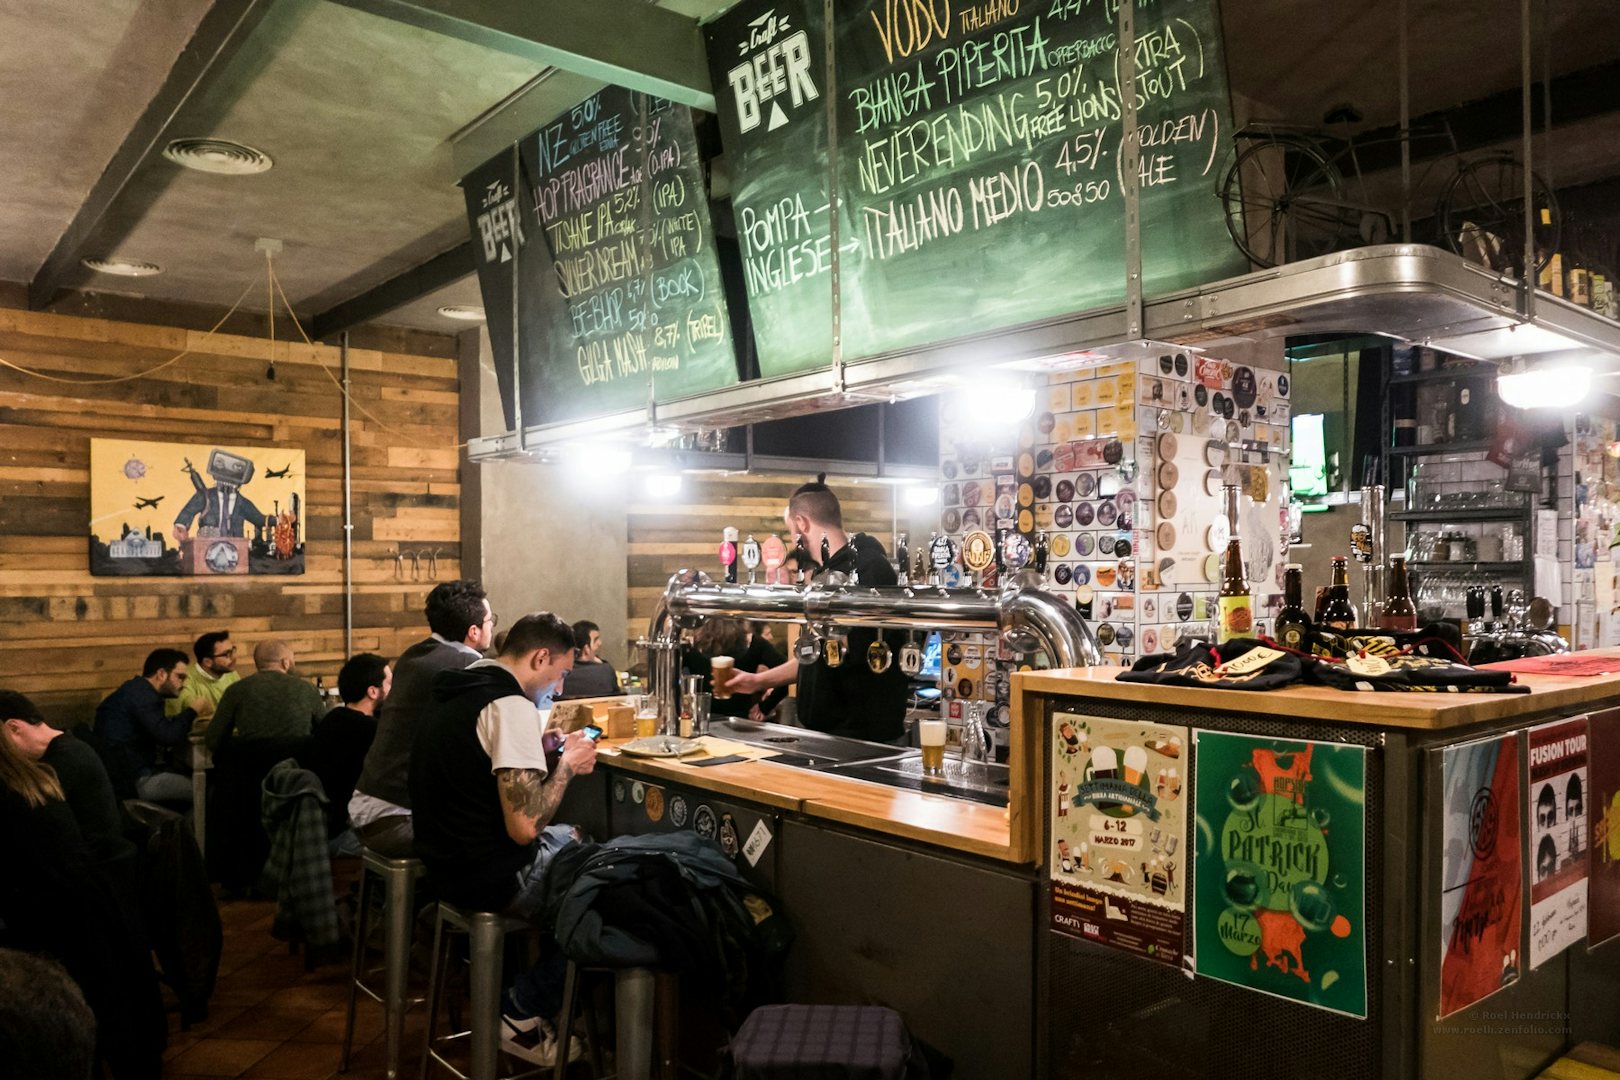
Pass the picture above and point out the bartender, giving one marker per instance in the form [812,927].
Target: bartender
[853,699]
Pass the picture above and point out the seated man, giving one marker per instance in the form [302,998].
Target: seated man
[342,738]
[461,624]
[212,674]
[483,795]
[592,676]
[271,704]
[85,784]
[134,731]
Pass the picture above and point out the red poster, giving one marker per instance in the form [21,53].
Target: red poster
[1603,749]
[1482,872]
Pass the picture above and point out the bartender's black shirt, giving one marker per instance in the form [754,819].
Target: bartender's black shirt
[851,699]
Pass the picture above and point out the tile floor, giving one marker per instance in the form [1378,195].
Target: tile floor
[271,1018]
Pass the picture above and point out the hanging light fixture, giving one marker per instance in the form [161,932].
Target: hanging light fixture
[1560,382]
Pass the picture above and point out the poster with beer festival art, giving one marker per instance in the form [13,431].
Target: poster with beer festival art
[1119,830]
[1279,892]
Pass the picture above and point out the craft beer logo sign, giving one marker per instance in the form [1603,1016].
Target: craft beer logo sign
[1119,825]
[1603,768]
[1281,868]
[499,226]
[776,69]
[1559,795]
[1481,890]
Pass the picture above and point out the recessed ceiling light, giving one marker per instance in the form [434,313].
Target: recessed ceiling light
[217,156]
[462,312]
[123,267]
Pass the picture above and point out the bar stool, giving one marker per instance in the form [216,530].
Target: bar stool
[647,1023]
[397,880]
[486,933]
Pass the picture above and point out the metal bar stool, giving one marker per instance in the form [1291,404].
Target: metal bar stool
[486,944]
[646,1027]
[397,879]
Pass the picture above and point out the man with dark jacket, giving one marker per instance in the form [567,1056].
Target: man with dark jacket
[344,737]
[134,731]
[462,625]
[485,798]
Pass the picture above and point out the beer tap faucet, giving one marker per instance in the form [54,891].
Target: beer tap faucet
[728,553]
[1040,552]
[902,558]
[975,739]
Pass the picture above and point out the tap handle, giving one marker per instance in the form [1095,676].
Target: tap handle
[1476,602]
[1496,601]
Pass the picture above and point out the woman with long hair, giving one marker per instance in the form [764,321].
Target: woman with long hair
[52,900]
[728,637]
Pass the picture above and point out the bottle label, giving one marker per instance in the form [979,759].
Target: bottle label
[1236,617]
[1293,636]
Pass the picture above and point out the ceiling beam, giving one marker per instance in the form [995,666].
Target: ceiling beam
[627,43]
[526,110]
[396,292]
[227,25]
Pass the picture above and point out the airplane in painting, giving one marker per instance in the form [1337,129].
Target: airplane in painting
[149,504]
[278,474]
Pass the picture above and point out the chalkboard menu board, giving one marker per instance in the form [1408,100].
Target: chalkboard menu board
[603,218]
[979,154]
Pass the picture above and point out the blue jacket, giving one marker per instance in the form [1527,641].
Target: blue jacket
[133,729]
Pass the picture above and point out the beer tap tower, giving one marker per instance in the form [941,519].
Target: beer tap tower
[1368,542]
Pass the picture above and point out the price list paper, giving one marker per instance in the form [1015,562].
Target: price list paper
[604,224]
[1280,877]
[1482,872]
[1119,824]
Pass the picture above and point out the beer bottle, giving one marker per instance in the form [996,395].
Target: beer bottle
[1399,612]
[1235,605]
[1551,278]
[1339,613]
[1293,625]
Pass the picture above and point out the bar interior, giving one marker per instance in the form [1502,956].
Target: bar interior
[773,539]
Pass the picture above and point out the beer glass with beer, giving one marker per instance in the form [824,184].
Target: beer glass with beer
[931,735]
[721,668]
[646,716]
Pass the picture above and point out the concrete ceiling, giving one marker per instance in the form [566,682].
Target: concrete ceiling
[361,114]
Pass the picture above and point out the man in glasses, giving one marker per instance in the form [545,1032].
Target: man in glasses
[462,627]
[207,679]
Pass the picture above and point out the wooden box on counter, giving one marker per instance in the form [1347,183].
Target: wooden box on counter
[615,716]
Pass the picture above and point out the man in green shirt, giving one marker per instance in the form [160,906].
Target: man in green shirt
[270,704]
[208,679]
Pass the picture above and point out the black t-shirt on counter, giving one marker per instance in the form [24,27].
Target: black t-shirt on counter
[851,699]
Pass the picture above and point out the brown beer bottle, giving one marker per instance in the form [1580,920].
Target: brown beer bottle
[1399,611]
[1339,613]
[1235,604]
[1293,625]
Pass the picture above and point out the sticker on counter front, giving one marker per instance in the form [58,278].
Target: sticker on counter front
[1280,868]
[704,823]
[677,811]
[638,792]
[728,835]
[1557,815]
[1603,882]
[654,804]
[1116,863]
[1481,873]
[758,841]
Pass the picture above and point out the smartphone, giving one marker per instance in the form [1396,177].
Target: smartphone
[592,732]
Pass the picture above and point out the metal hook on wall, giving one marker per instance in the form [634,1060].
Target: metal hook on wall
[416,565]
[433,565]
[399,563]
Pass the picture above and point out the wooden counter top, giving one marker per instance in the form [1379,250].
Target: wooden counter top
[1431,712]
[955,824]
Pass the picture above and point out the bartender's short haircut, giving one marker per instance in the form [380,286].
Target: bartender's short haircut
[360,673]
[454,607]
[16,706]
[47,1032]
[203,648]
[816,501]
[541,630]
[161,660]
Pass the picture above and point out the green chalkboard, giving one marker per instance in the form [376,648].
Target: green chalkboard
[619,294]
[979,154]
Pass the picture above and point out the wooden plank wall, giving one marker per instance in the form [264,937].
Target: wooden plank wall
[67,638]
[666,536]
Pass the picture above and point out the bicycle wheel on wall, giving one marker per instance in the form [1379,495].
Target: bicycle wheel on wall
[1481,214]
[1284,200]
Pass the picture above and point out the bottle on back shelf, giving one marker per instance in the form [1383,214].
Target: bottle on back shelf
[1338,613]
[1399,613]
[1293,624]
[1552,274]
[1235,604]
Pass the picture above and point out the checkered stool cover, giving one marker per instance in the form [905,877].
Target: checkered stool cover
[821,1042]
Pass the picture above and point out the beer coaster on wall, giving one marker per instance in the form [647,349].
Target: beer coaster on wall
[1084,485]
[1481,875]
[1116,863]
[1293,928]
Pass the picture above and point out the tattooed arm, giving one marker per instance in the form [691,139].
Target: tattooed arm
[529,798]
